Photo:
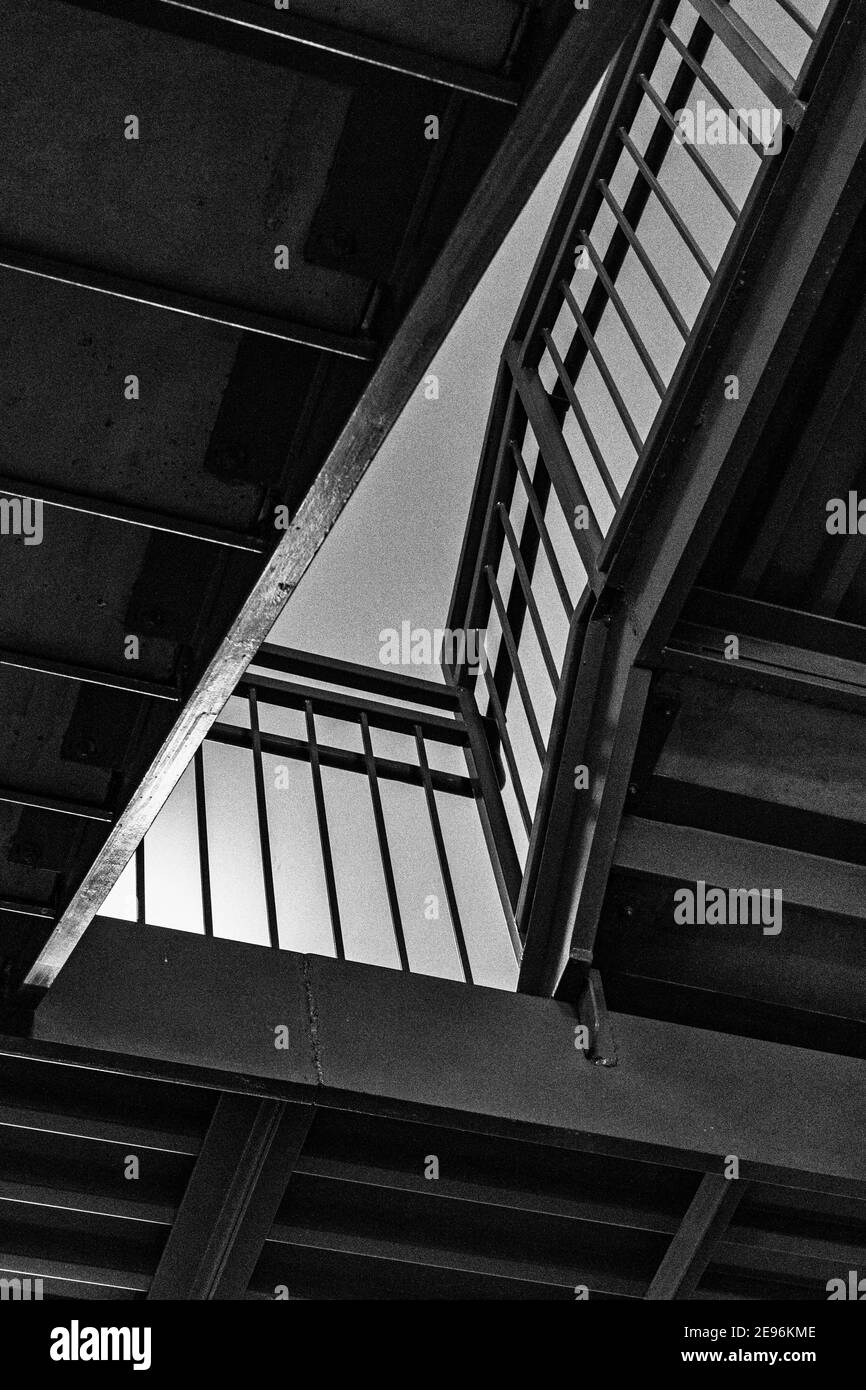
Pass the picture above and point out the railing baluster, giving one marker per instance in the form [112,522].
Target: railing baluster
[441,855]
[203,848]
[324,835]
[262,810]
[616,300]
[558,463]
[526,586]
[382,837]
[798,17]
[759,62]
[484,771]
[668,205]
[501,723]
[580,414]
[697,159]
[516,665]
[603,369]
[541,528]
[643,256]
[712,86]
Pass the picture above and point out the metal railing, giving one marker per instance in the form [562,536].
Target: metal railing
[678,157]
[643,247]
[317,818]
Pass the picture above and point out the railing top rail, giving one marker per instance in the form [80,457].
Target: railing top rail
[353,675]
[336,704]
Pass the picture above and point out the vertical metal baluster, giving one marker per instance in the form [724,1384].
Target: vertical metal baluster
[324,837]
[615,298]
[203,849]
[382,837]
[516,665]
[543,533]
[441,854]
[526,589]
[264,834]
[508,749]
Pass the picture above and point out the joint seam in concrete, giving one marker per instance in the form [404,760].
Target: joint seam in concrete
[313,1016]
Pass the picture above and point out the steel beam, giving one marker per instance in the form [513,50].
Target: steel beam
[684,854]
[186,528]
[56,804]
[231,1199]
[621,1209]
[756,817]
[67,670]
[299,42]
[176,302]
[801,656]
[839,395]
[27,909]
[690,1251]
[682,1096]
[699,651]
[838,646]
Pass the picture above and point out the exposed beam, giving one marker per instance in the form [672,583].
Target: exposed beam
[797,655]
[841,575]
[176,302]
[56,804]
[686,855]
[840,394]
[412,1258]
[231,1199]
[32,1194]
[758,816]
[680,1095]
[26,909]
[840,642]
[186,528]
[542,122]
[744,1009]
[67,670]
[322,49]
[623,1208]
[697,651]
[689,1252]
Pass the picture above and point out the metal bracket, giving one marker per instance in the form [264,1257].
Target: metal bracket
[592,1012]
